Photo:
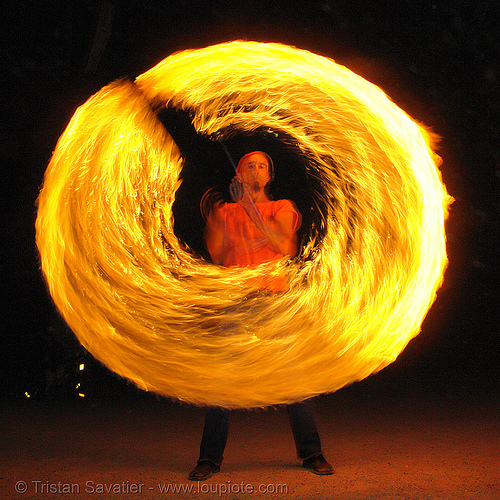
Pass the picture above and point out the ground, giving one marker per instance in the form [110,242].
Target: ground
[382,446]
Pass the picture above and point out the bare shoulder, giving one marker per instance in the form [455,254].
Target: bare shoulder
[286,212]
[284,206]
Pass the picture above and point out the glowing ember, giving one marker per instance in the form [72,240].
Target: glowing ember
[182,327]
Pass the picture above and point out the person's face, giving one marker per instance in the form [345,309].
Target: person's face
[254,171]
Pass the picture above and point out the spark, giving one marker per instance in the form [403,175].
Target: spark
[182,327]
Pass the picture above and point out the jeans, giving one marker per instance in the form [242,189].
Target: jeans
[301,416]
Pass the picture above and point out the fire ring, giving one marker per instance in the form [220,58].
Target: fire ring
[182,327]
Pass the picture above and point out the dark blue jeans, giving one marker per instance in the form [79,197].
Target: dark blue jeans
[216,428]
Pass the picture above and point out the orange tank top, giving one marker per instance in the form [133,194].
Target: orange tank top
[244,243]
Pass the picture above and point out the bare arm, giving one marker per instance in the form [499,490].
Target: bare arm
[280,231]
[214,235]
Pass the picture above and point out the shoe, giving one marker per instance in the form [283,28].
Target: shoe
[203,471]
[318,465]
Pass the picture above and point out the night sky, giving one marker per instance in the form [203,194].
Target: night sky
[438,60]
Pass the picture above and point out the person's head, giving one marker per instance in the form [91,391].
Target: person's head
[255,168]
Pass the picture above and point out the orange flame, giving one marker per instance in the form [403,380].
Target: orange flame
[182,327]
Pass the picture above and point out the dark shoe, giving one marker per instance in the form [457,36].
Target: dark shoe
[318,465]
[203,471]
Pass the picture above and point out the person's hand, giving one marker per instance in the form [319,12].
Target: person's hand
[215,215]
[236,190]
[210,202]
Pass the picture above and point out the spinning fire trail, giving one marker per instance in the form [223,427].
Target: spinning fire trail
[171,322]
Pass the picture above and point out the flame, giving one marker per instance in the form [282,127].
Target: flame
[182,327]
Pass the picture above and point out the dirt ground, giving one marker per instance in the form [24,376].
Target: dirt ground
[386,447]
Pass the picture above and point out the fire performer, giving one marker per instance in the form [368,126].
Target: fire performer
[251,230]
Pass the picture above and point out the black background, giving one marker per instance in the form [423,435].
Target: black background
[438,60]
